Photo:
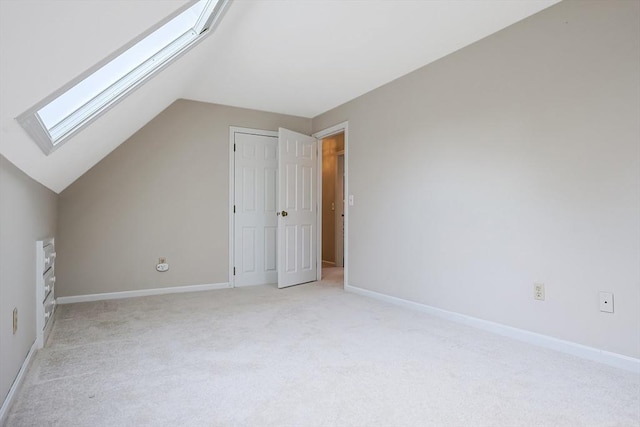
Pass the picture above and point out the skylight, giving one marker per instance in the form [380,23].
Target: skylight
[57,118]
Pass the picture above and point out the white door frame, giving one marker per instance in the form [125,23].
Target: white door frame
[339,220]
[232,170]
[340,127]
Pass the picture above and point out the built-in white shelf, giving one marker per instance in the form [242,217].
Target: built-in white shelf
[45,289]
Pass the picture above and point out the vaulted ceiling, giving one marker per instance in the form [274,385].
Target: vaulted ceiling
[294,57]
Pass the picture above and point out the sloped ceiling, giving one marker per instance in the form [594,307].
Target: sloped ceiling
[294,57]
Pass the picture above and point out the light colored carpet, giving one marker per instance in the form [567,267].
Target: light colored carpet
[311,355]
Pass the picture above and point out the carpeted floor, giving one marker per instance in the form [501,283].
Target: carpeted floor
[311,355]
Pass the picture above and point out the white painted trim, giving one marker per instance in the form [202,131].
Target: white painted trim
[338,220]
[141,293]
[340,127]
[319,158]
[331,130]
[232,191]
[17,383]
[585,352]
[232,172]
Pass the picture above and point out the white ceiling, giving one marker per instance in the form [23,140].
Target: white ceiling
[295,57]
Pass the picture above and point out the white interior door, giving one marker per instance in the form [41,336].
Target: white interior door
[255,204]
[297,233]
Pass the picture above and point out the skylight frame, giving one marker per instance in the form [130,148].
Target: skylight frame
[51,138]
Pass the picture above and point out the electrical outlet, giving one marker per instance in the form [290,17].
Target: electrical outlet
[15,320]
[606,302]
[538,291]
[162,265]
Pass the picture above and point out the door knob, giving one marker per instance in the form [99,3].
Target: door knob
[284,213]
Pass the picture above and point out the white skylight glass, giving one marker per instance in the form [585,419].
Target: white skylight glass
[51,123]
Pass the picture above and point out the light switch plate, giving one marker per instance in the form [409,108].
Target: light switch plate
[606,302]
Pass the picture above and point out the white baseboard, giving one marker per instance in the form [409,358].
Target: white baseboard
[6,406]
[591,353]
[140,293]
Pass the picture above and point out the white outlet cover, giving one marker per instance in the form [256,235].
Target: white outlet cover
[162,267]
[606,302]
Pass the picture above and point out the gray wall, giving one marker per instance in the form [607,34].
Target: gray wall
[162,193]
[512,161]
[27,213]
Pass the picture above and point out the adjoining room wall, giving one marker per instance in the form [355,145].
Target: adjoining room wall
[27,214]
[513,161]
[162,193]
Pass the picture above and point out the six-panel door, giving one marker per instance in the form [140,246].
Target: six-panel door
[297,230]
[256,223]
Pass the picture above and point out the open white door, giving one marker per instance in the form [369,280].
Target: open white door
[297,233]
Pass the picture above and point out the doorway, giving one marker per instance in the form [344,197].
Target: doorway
[333,207]
[334,201]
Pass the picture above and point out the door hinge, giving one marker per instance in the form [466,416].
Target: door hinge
[234,147]
[234,208]
[234,271]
